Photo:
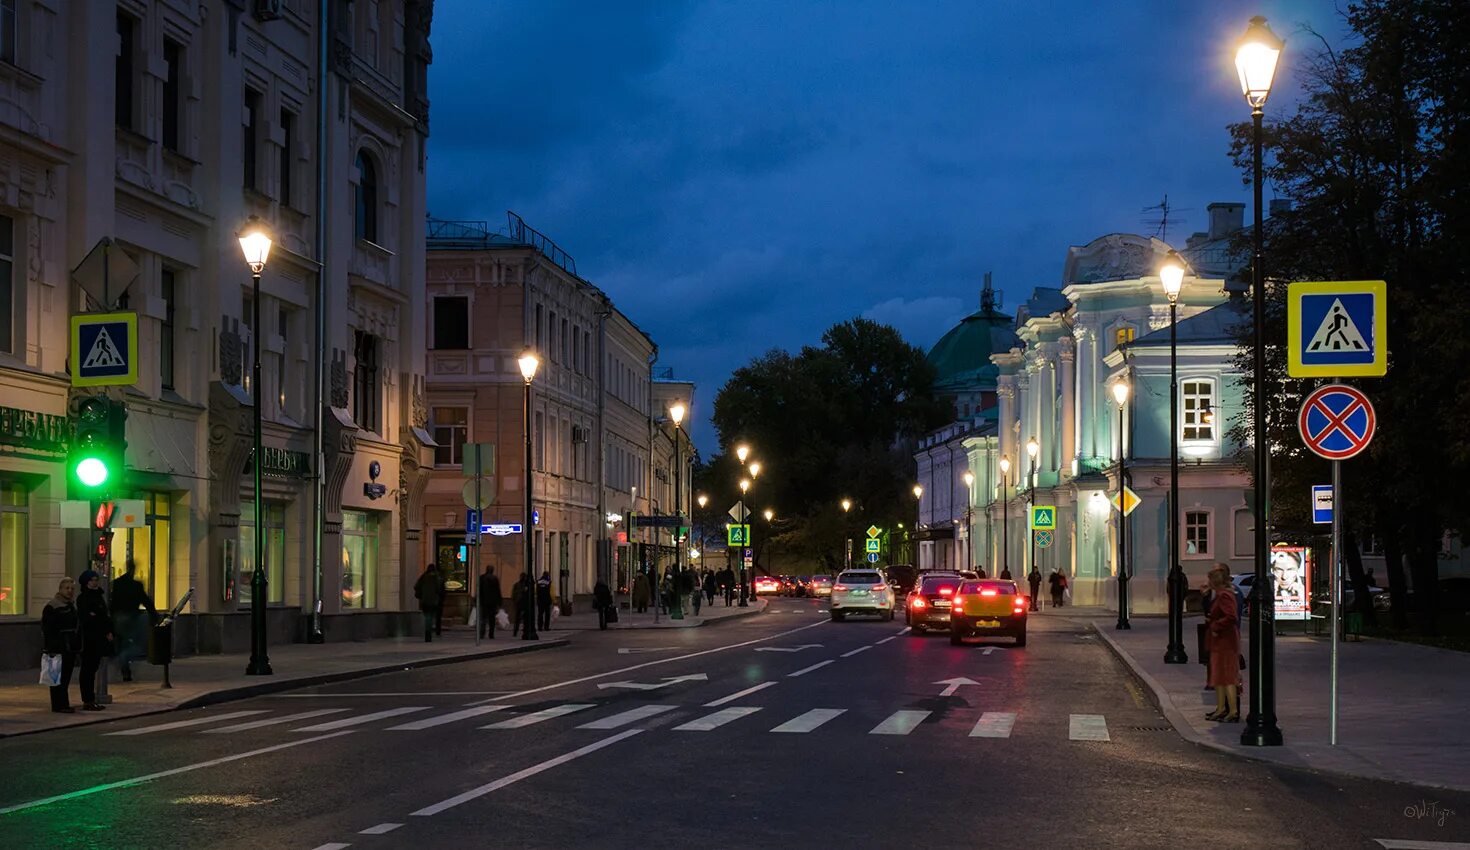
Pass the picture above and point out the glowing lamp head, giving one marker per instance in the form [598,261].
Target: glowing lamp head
[918,491]
[742,452]
[703,500]
[255,244]
[1120,393]
[1032,448]
[529,362]
[1171,273]
[770,514]
[1005,466]
[755,469]
[969,478]
[846,505]
[676,413]
[744,485]
[1256,55]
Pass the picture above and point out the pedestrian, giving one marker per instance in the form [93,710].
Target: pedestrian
[686,587]
[443,598]
[602,600]
[1066,589]
[1005,573]
[727,584]
[489,600]
[696,594]
[97,635]
[1035,581]
[1224,643]
[130,602]
[518,607]
[1054,584]
[428,591]
[981,573]
[543,601]
[710,587]
[61,635]
[640,593]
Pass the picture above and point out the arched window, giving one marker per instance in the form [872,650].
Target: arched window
[366,222]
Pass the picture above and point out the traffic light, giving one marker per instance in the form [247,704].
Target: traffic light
[95,459]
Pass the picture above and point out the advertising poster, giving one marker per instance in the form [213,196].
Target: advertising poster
[1291,575]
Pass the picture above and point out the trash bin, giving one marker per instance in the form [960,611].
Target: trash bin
[161,643]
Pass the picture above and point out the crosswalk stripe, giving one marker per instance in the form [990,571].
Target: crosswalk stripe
[358,721]
[431,722]
[272,721]
[805,670]
[738,694]
[632,715]
[994,724]
[900,723]
[715,720]
[1088,727]
[538,716]
[184,724]
[856,651]
[1400,844]
[809,721]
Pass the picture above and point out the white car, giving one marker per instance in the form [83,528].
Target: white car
[861,592]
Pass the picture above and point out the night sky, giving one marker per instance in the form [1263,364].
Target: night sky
[741,175]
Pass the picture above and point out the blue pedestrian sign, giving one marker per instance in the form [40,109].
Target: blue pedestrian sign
[1322,504]
[1337,329]
[104,349]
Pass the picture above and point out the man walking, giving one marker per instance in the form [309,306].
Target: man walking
[428,590]
[489,601]
[691,582]
[543,601]
[727,583]
[129,603]
[1035,581]
[520,600]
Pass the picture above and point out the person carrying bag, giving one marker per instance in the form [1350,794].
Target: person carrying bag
[61,640]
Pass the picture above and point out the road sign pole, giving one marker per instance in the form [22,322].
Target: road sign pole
[474,576]
[1335,591]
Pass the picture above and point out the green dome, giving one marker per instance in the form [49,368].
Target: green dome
[962,357]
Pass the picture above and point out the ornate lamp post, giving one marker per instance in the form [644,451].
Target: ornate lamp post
[255,244]
[1171,274]
[847,541]
[766,541]
[1120,395]
[1005,513]
[969,499]
[529,362]
[744,517]
[676,413]
[1256,56]
[918,522]
[1033,448]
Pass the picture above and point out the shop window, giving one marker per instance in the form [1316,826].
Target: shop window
[1197,533]
[148,546]
[452,322]
[15,522]
[451,430]
[359,560]
[7,284]
[1245,538]
[1197,402]
[275,553]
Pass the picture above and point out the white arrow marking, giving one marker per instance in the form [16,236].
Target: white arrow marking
[788,648]
[632,650]
[954,685]
[988,650]
[653,686]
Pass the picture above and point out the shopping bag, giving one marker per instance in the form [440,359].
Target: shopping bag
[1066,594]
[555,611]
[474,616]
[612,613]
[502,619]
[50,670]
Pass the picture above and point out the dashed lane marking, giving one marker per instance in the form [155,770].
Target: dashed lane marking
[856,651]
[994,724]
[805,670]
[1088,727]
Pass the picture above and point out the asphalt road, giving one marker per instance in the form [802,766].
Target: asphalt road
[780,730]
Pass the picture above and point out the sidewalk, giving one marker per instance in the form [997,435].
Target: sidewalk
[629,620]
[203,679]
[1400,705]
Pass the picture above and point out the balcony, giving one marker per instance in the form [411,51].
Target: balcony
[371,262]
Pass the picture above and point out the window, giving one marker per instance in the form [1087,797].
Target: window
[366,220]
[564,359]
[1197,398]
[1245,538]
[586,352]
[539,325]
[451,431]
[283,380]
[550,353]
[359,559]
[1370,544]
[166,330]
[540,442]
[15,526]
[576,348]
[172,55]
[1196,533]
[7,54]
[275,553]
[123,71]
[1122,335]
[247,324]
[287,153]
[249,137]
[7,284]
[149,547]
[452,322]
[365,389]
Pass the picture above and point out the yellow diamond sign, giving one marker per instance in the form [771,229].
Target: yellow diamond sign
[874,531]
[1127,502]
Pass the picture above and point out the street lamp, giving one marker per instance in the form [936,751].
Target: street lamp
[1120,395]
[1033,448]
[1171,274]
[1256,56]
[766,540]
[846,540]
[969,499]
[529,362]
[1005,513]
[676,413]
[255,244]
[918,523]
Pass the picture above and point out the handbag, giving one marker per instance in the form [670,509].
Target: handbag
[50,670]
[475,616]
[612,613]
[502,619]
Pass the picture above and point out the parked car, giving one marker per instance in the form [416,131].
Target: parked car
[927,606]
[861,592]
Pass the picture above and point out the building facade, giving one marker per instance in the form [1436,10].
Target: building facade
[136,141]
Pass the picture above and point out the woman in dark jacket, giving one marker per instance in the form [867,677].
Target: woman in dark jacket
[61,635]
[96,635]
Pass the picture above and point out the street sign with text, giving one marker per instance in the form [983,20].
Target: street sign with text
[472,526]
[1337,329]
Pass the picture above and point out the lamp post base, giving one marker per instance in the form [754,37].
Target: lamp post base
[1258,735]
[1175,653]
[258,668]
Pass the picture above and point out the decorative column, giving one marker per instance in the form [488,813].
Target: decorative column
[1066,355]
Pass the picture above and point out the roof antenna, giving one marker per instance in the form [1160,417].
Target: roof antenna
[987,296]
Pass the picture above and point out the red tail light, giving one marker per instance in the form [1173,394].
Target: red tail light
[839,587]
[958,601]
[989,591]
[918,602]
[878,587]
[946,591]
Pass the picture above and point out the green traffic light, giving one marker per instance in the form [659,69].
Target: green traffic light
[91,472]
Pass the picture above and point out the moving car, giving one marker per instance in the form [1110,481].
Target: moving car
[861,592]
[928,605]
[902,577]
[821,585]
[767,584]
[988,607]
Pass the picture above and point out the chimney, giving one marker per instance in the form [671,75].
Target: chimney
[1225,219]
[1279,205]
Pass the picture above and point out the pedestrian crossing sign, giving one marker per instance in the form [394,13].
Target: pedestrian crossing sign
[104,349]
[874,545]
[1337,329]
[1043,517]
[737,535]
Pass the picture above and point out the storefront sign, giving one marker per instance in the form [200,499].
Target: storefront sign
[32,430]
[1291,576]
[284,463]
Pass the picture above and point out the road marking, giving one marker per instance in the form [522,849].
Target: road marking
[1088,727]
[632,715]
[788,648]
[184,724]
[384,694]
[335,845]
[886,640]
[955,684]
[630,669]
[488,787]
[431,722]
[653,686]
[988,650]
[716,720]
[333,725]
[899,723]
[625,650]
[805,670]
[1397,844]
[994,724]
[809,721]
[272,721]
[380,829]
[905,630]
[738,694]
[138,780]
[538,716]
[856,651]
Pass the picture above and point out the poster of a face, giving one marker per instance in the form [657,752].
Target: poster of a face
[1291,572]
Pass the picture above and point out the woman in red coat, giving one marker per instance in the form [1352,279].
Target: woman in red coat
[1223,639]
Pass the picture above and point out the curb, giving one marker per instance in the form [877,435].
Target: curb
[1160,698]
[270,687]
